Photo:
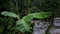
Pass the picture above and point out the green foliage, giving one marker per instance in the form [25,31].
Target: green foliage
[28,18]
[1,29]
[34,6]
[10,14]
[22,24]
[41,15]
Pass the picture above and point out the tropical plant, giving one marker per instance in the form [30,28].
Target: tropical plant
[22,24]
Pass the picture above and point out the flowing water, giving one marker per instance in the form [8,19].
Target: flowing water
[41,26]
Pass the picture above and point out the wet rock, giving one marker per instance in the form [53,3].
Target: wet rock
[40,27]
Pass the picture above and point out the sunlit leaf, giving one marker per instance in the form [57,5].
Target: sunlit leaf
[22,26]
[10,14]
[41,15]
[28,18]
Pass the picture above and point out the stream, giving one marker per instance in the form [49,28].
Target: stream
[41,26]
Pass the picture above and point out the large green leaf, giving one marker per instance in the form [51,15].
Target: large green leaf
[22,26]
[10,14]
[28,18]
[42,15]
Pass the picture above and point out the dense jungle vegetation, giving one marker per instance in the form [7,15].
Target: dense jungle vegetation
[15,15]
